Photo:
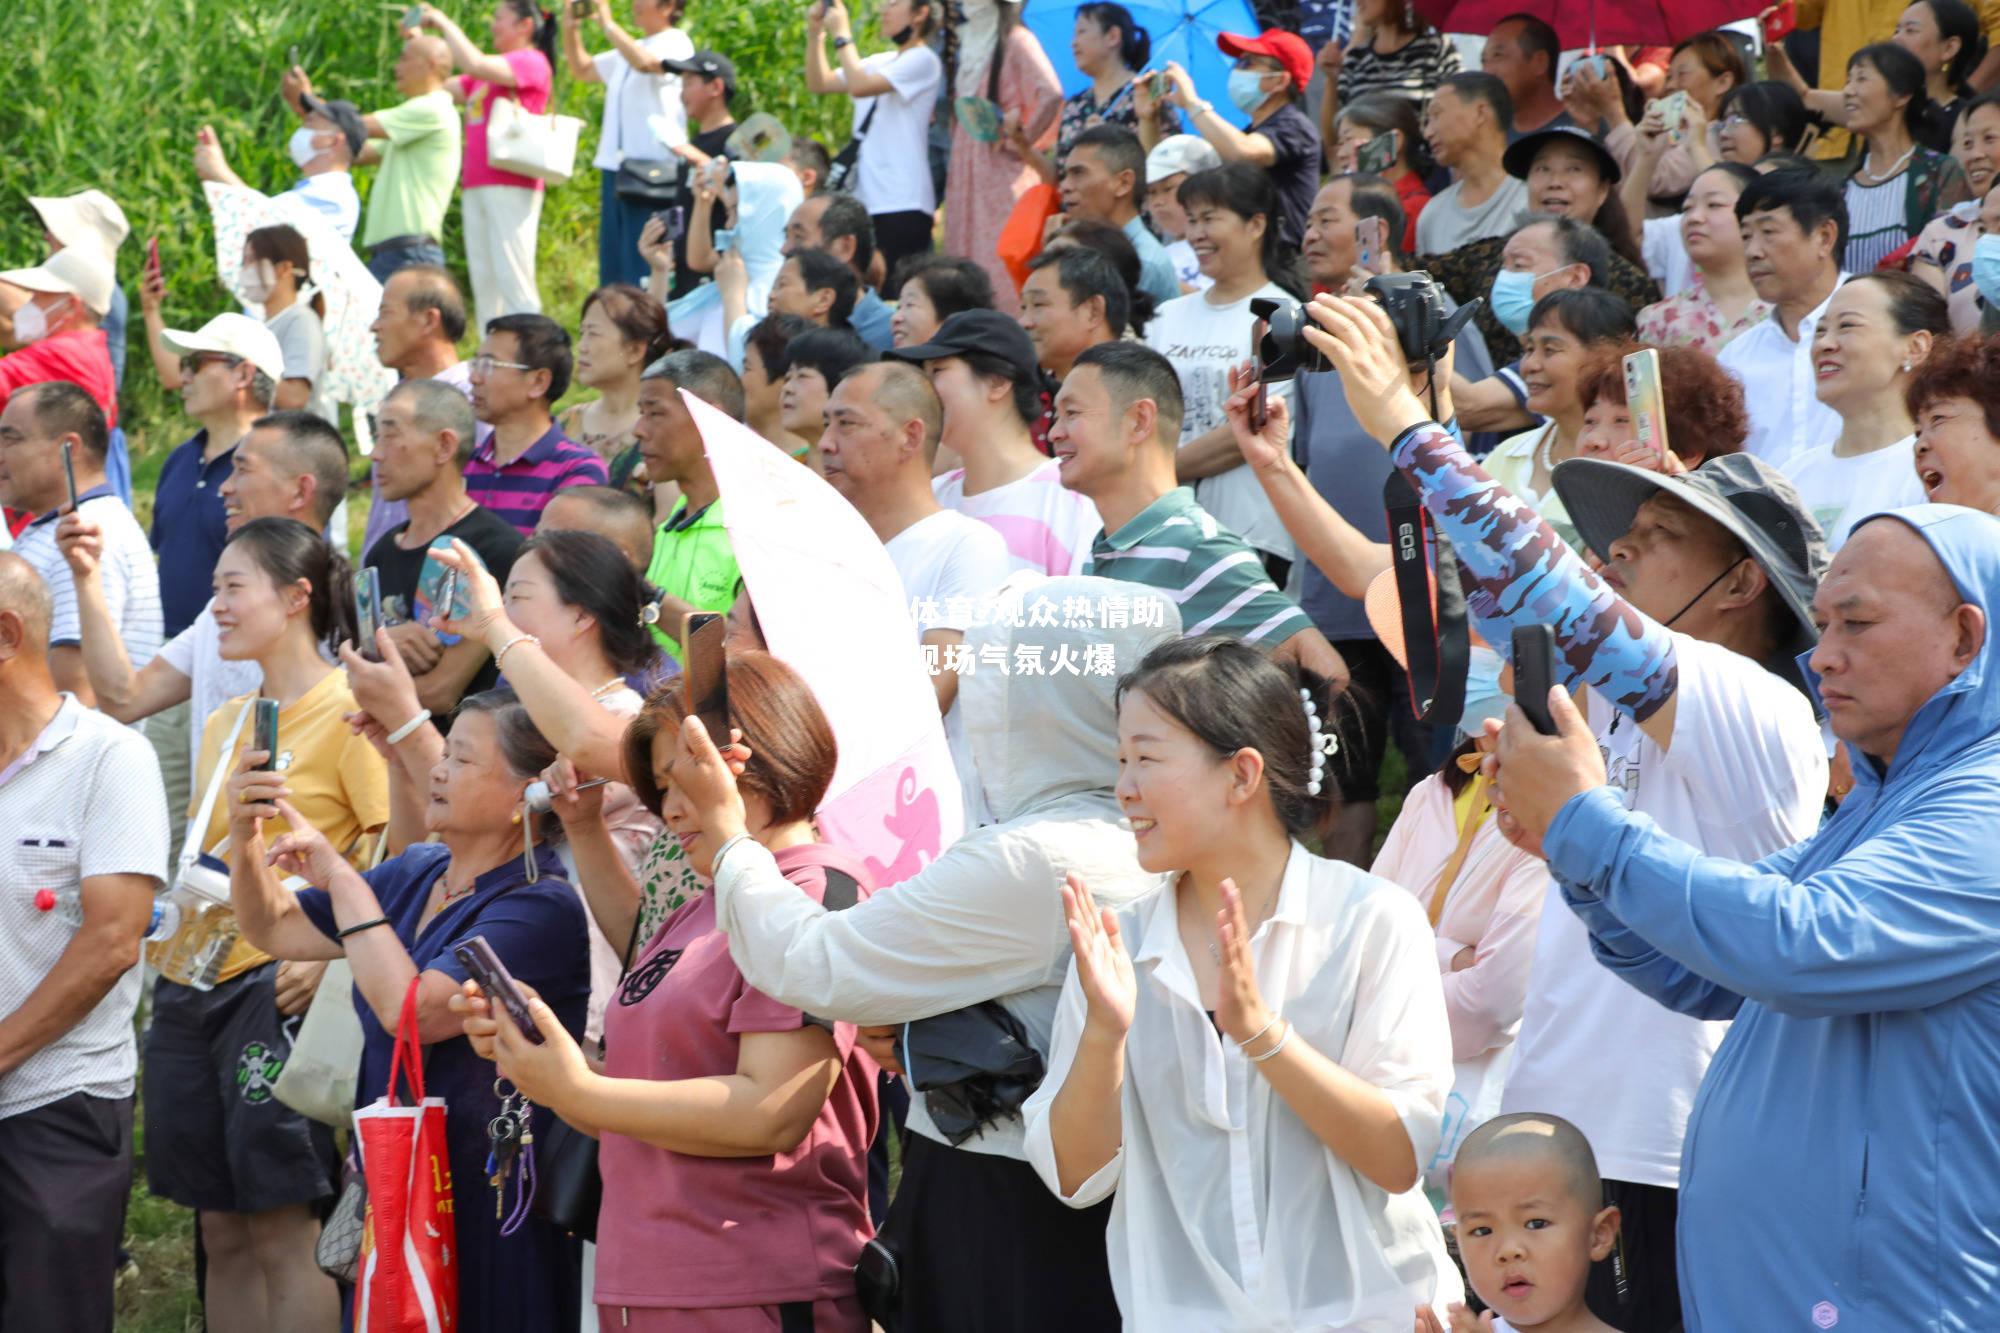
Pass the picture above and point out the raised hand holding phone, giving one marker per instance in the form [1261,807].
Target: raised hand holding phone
[483,965]
[1645,399]
[1534,673]
[69,472]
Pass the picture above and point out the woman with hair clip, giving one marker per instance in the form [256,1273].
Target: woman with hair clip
[623,331]
[886,164]
[488,874]
[1005,99]
[1366,119]
[1109,48]
[637,87]
[1393,53]
[1233,226]
[1899,185]
[715,1100]
[277,276]
[253,1169]
[502,210]
[1254,1059]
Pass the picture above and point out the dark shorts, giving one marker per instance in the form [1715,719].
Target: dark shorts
[65,1175]
[1375,711]
[216,1137]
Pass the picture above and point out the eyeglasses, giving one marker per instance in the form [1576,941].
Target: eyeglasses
[192,365]
[483,365]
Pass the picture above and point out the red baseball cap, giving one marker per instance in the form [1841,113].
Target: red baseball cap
[1287,48]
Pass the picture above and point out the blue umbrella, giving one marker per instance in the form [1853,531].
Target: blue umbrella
[1183,32]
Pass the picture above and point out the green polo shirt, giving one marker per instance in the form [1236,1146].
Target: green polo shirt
[412,190]
[1175,546]
[693,560]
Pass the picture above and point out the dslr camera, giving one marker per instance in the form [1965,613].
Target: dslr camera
[1414,302]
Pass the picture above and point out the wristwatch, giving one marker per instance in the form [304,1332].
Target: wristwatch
[840,42]
[1201,108]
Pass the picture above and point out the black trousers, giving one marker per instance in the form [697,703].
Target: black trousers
[898,236]
[65,1177]
[1651,1290]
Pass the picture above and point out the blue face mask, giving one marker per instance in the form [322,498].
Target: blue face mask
[1246,89]
[1512,298]
[1483,696]
[1986,268]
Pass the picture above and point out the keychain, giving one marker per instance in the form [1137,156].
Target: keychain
[511,1135]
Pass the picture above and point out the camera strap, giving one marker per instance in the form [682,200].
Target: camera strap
[1435,642]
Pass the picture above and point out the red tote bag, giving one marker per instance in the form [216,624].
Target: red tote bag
[408,1281]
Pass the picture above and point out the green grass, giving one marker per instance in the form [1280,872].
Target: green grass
[160,1235]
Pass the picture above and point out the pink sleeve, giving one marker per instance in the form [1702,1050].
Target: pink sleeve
[1029,81]
[1484,1001]
[532,77]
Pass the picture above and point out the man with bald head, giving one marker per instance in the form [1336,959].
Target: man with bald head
[85,851]
[417,144]
[1841,1157]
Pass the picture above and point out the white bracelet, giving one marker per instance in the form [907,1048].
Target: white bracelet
[1260,1059]
[1245,1043]
[729,844]
[408,729]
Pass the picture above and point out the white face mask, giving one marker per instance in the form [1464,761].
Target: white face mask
[256,283]
[301,146]
[31,324]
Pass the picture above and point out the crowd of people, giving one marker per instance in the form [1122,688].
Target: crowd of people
[1200,457]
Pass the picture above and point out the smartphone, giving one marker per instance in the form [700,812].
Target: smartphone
[476,956]
[1378,154]
[69,472]
[153,257]
[1645,401]
[367,611]
[725,240]
[675,219]
[1534,674]
[292,56]
[413,19]
[579,9]
[707,673]
[265,735]
[1371,245]
[1673,114]
[1156,84]
[1598,65]
[1781,22]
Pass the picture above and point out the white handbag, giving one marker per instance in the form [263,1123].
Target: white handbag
[325,1061]
[519,141]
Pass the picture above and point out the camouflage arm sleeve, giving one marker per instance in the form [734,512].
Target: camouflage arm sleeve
[1519,572]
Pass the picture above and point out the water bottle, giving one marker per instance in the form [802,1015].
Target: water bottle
[68,906]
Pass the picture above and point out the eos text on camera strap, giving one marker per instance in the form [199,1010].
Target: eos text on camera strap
[1435,643]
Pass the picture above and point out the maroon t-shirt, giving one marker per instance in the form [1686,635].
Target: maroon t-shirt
[685,1232]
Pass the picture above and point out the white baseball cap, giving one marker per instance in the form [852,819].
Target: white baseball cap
[91,220]
[1178,153]
[232,335]
[80,272]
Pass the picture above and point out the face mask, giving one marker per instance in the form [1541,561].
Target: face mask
[31,324]
[903,35]
[255,284]
[1246,89]
[1513,297]
[1483,696]
[1986,268]
[301,146]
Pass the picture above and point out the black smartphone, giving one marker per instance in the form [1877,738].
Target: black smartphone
[1534,674]
[476,956]
[69,472]
[265,735]
[1260,406]
[707,674]
[367,611]
[1378,154]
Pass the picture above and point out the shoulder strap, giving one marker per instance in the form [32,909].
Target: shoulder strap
[1435,642]
[1475,815]
[198,826]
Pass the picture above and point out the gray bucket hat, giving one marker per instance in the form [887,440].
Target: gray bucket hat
[1748,498]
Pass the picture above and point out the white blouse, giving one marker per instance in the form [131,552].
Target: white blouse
[1230,1213]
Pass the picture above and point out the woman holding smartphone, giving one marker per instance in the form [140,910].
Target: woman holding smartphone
[1255,1059]
[488,873]
[252,1168]
[716,1101]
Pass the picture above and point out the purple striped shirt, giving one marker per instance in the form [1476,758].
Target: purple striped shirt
[517,491]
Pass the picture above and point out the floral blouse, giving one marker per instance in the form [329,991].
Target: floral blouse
[1081,110]
[1947,243]
[1693,320]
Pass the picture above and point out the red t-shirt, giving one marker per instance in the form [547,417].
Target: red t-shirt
[81,356]
[1410,192]
[532,80]
[684,1232]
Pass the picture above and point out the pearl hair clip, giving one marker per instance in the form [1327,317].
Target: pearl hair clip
[1322,745]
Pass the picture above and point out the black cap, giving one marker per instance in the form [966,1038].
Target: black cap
[346,118]
[986,331]
[1520,154]
[708,64]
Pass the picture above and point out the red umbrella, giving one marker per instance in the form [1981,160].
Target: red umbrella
[1586,23]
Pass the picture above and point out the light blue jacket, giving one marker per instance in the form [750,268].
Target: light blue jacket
[1842,1164]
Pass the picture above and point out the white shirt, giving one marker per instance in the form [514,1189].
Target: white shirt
[1841,492]
[127,571]
[1665,254]
[332,195]
[1230,1214]
[1744,777]
[631,98]
[893,173]
[1205,341]
[84,801]
[1786,414]
[949,563]
[1045,526]
[196,652]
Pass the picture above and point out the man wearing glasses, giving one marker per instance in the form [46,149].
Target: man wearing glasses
[522,368]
